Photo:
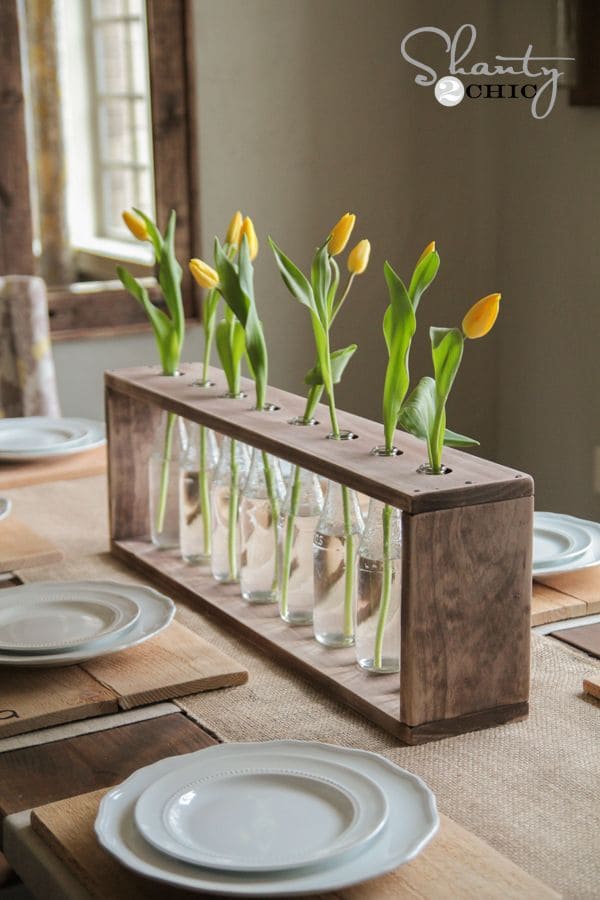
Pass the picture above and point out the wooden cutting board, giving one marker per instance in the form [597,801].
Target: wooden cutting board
[79,465]
[176,663]
[456,864]
[21,548]
[584,637]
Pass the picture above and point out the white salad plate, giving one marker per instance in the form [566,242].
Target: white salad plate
[262,814]
[41,437]
[412,822]
[576,543]
[156,613]
[54,618]
[5,507]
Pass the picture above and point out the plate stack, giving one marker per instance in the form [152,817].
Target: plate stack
[59,624]
[39,437]
[563,544]
[279,818]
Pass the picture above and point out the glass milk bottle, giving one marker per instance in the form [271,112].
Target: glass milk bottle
[170,444]
[259,516]
[228,481]
[335,544]
[300,514]
[378,590]
[197,467]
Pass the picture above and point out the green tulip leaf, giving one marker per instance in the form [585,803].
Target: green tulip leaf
[153,233]
[424,273]
[320,275]
[399,326]
[160,322]
[169,277]
[295,281]
[339,361]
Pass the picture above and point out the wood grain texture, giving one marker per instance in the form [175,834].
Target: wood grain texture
[173,131]
[21,548]
[583,585]
[37,698]
[549,605]
[454,858]
[591,686]
[174,664]
[32,776]
[131,428]
[393,480]
[79,465]
[466,593]
[16,254]
[376,698]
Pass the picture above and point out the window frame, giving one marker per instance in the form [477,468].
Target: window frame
[104,308]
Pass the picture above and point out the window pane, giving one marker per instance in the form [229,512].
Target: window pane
[118,194]
[116,143]
[138,51]
[108,8]
[145,198]
[141,127]
[112,71]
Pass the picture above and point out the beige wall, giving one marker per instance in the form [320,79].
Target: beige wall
[306,109]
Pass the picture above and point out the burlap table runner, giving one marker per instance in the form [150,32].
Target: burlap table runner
[530,789]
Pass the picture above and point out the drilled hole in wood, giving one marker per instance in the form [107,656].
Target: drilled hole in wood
[268,407]
[342,436]
[299,420]
[239,396]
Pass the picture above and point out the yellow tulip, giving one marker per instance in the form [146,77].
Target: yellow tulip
[481,317]
[340,234]
[248,230]
[430,248]
[234,231]
[136,225]
[204,274]
[358,259]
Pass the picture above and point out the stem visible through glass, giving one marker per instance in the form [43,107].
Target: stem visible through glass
[274,501]
[386,588]
[233,513]
[164,473]
[349,574]
[289,539]
[204,494]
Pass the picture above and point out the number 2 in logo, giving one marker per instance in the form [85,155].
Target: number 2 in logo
[449,91]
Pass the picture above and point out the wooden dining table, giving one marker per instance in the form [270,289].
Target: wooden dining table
[52,778]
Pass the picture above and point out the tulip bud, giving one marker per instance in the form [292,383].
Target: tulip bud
[340,234]
[481,317]
[233,235]
[136,225]
[248,230]
[430,248]
[358,259]
[204,274]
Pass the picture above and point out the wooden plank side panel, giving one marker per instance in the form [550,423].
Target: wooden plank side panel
[16,254]
[454,857]
[466,610]
[394,480]
[131,429]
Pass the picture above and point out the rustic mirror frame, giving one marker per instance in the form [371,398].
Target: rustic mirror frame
[106,309]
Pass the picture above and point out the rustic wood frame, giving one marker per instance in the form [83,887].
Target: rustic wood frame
[586,89]
[466,568]
[74,314]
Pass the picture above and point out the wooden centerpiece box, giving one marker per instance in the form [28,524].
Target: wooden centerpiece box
[466,566]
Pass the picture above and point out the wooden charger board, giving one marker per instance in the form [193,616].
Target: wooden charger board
[455,862]
[176,663]
[21,548]
[76,465]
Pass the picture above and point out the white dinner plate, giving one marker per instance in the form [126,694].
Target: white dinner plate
[557,540]
[412,822]
[264,814]
[41,437]
[156,613]
[5,507]
[54,618]
[589,557]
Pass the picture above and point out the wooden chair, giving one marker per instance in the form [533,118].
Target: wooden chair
[27,377]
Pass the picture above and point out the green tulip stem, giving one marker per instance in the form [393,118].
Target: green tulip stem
[289,539]
[204,493]
[349,574]
[386,588]
[274,502]
[342,298]
[164,474]
[233,514]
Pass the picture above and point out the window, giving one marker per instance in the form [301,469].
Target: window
[106,87]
